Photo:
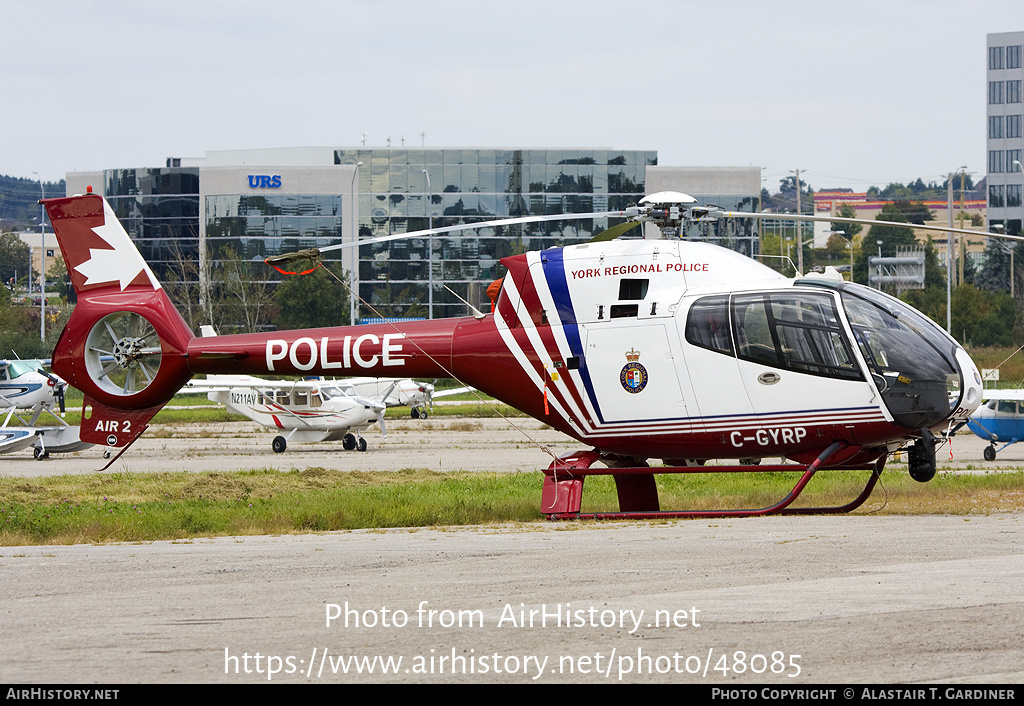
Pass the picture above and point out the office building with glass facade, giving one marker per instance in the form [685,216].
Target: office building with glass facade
[251,204]
[1005,114]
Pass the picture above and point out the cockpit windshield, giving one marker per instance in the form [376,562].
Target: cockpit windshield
[911,360]
[338,391]
[17,368]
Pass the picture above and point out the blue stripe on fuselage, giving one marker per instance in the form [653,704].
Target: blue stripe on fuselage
[553,264]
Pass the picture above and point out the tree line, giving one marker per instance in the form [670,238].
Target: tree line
[982,310]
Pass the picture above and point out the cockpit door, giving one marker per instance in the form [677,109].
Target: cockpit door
[797,363]
[709,364]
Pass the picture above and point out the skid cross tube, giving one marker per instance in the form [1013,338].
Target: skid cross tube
[638,499]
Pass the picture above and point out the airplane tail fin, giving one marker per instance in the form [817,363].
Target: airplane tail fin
[125,345]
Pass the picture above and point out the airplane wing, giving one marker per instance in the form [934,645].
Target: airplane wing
[1009,395]
[221,383]
[456,391]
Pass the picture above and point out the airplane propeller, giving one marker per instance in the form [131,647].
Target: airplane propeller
[58,387]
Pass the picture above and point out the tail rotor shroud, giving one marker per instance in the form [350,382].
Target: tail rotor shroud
[123,353]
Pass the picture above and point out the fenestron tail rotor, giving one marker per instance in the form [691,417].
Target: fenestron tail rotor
[123,353]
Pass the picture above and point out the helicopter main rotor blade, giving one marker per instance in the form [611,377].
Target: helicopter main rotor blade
[615,231]
[862,221]
[669,214]
[480,224]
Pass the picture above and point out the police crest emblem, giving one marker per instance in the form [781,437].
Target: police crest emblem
[633,376]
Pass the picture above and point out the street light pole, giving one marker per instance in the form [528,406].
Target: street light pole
[430,252]
[354,261]
[849,241]
[949,253]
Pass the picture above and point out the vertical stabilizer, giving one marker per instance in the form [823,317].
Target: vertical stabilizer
[125,344]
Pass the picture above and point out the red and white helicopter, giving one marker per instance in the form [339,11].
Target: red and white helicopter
[666,349]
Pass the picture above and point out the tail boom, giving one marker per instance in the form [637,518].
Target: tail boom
[414,349]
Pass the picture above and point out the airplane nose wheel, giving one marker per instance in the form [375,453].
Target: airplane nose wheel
[122,353]
[361,444]
[990,453]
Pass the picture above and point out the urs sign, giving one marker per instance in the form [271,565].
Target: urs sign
[264,181]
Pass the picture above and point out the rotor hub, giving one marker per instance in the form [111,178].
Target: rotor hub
[128,351]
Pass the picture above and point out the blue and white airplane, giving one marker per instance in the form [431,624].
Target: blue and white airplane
[27,392]
[999,420]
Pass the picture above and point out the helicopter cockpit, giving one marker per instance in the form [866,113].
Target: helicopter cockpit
[913,364]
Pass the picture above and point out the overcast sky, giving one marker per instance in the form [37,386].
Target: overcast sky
[850,93]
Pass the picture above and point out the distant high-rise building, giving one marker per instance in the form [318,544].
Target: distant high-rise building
[1005,173]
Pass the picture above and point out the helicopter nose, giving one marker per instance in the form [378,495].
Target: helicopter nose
[971,398]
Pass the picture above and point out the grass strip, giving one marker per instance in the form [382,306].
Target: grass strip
[131,507]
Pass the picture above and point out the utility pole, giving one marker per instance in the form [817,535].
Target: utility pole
[42,263]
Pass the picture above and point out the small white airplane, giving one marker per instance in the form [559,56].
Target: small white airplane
[305,411]
[999,419]
[403,393]
[27,392]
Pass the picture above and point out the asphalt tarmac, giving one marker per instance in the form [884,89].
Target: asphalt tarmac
[782,601]
[438,443]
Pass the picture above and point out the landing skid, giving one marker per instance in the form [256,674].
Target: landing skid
[638,494]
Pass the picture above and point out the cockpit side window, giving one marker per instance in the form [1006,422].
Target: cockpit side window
[795,331]
[707,324]
[1007,407]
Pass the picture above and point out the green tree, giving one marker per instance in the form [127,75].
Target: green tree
[995,273]
[882,237]
[242,296]
[851,230]
[14,257]
[19,329]
[913,211]
[983,318]
[316,299]
[57,273]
